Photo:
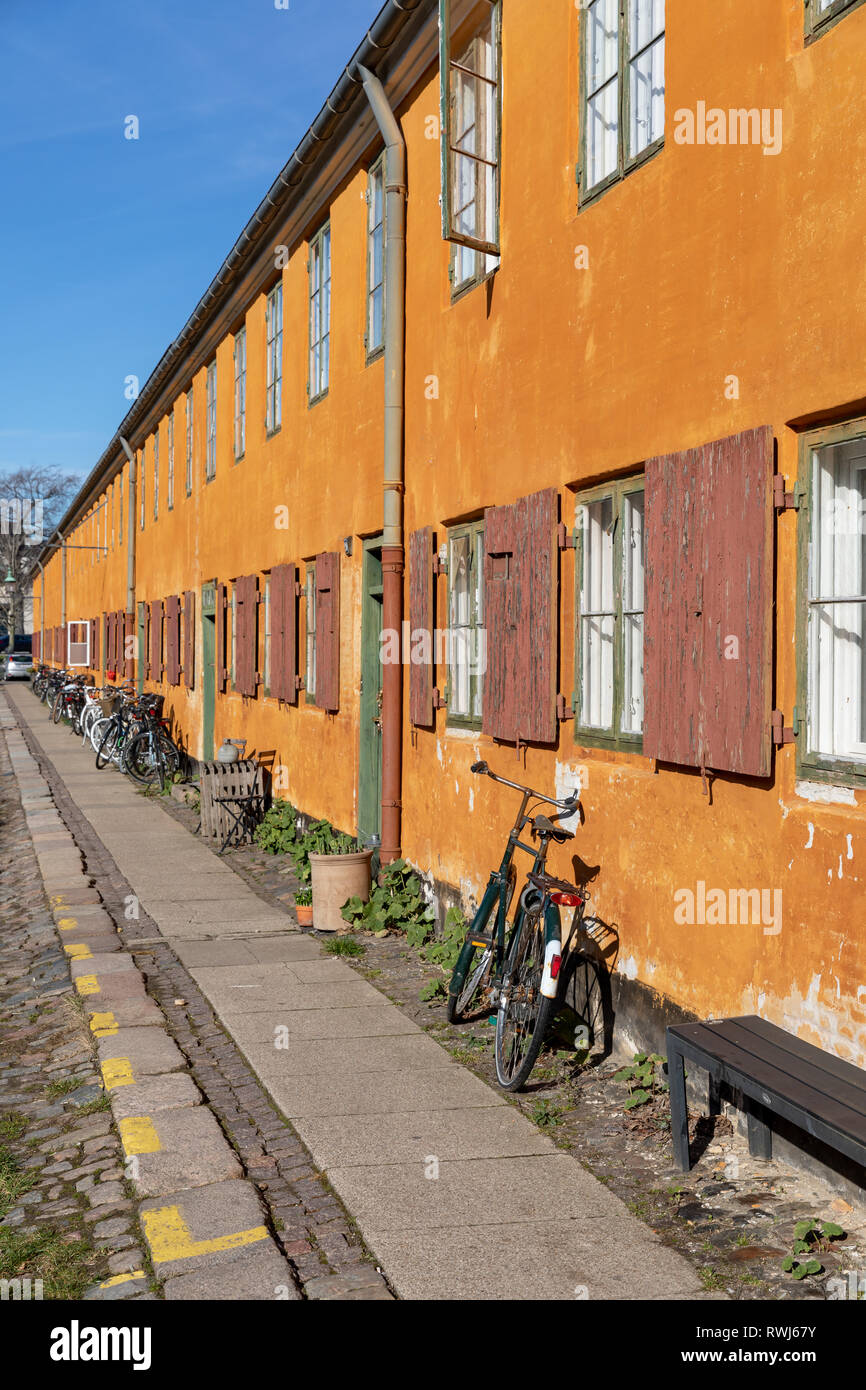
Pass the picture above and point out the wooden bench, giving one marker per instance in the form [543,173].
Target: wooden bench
[232,800]
[777,1074]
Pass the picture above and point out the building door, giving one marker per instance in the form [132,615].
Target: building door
[208,669]
[370,754]
[142,640]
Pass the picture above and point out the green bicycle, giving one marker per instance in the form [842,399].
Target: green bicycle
[517,971]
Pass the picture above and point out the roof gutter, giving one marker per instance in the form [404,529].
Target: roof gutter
[393,553]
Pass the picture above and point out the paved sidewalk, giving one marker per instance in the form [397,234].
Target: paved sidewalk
[457,1194]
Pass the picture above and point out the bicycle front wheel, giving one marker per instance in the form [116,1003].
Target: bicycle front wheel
[143,760]
[524,1013]
[107,746]
[476,981]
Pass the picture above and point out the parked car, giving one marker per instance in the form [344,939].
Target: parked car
[17,665]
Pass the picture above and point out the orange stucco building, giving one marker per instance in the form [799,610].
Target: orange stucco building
[659,219]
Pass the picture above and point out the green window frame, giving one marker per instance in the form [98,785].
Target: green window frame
[823,14]
[320,314]
[466,632]
[170,479]
[240,366]
[622,105]
[190,437]
[374,335]
[609,615]
[310,635]
[274,360]
[210,451]
[470,112]
[831,606]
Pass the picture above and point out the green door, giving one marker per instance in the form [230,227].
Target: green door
[208,669]
[370,759]
[142,637]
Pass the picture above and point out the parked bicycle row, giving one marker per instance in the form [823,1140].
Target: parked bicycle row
[123,728]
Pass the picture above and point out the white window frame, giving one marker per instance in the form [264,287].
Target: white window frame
[632,46]
[274,359]
[240,398]
[319,381]
[211,407]
[170,480]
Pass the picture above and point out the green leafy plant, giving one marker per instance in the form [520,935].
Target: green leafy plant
[434,989]
[642,1079]
[276,833]
[304,897]
[395,902]
[810,1235]
[546,1114]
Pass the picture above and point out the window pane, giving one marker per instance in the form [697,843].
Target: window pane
[602,43]
[602,134]
[460,584]
[646,21]
[837,572]
[597,615]
[633,603]
[647,97]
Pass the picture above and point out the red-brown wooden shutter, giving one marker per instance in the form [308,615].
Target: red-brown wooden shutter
[172,639]
[35,646]
[94,645]
[156,640]
[106,639]
[189,639]
[519,690]
[421,626]
[709,595]
[246,632]
[221,605]
[284,634]
[328,630]
[129,645]
[64,641]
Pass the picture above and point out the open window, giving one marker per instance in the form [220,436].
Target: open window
[470,123]
[78,643]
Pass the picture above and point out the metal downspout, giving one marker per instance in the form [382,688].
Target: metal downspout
[129,624]
[392,532]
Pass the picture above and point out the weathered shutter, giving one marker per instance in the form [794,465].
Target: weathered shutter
[64,641]
[106,640]
[172,639]
[519,691]
[709,597]
[421,626]
[221,605]
[246,632]
[328,631]
[189,639]
[156,640]
[95,662]
[284,634]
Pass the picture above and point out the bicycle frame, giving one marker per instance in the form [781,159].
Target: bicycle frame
[496,893]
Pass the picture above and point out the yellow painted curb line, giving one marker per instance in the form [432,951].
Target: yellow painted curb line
[103,1025]
[170,1238]
[138,1136]
[117,1071]
[67,923]
[122,1279]
[87,984]
[78,950]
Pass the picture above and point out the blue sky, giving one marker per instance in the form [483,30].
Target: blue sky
[107,243]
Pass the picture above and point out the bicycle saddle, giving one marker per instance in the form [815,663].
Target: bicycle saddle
[546,827]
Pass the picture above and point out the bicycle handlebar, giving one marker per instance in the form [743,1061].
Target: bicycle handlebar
[569,805]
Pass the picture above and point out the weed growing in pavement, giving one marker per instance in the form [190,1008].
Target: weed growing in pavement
[710,1278]
[546,1114]
[54,1089]
[14,1182]
[642,1078]
[95,1106]
[12,1126]
[811,1236]
[344,946]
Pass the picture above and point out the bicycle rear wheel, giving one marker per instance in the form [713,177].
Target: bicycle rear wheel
[107,745]
[524,1013]
[144,759]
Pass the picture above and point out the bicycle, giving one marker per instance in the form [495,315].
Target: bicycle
[518,970]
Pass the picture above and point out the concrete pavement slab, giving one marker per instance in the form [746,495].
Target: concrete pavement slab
[492,1131]
[108,1017]
[406,1197]
[566,1259]
[104,965]
[254,998]
[379,1093]
[296,1057]
[176,1150]
[104,992]
[368,1021]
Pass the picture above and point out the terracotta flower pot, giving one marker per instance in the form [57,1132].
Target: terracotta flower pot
[337,877]
[304,914]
